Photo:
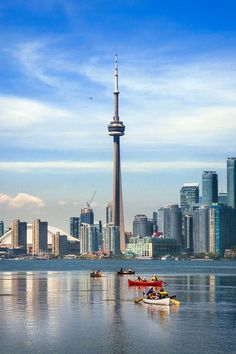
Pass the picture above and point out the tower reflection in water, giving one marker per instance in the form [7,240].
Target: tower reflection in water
[60,309]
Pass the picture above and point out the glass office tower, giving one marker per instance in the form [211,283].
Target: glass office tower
[231,182]
[209,187]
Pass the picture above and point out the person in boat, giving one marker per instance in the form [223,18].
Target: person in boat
[163,294]
[139,278]
[154,278]
[151,293]
[144,279]
[121,270]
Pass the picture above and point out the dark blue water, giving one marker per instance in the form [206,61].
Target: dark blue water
[55,307]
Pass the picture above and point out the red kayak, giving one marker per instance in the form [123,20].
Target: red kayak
[145,283]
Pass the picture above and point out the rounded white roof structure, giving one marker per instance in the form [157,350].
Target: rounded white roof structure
[6,239]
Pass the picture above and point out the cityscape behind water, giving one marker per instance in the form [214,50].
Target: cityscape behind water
[200,226]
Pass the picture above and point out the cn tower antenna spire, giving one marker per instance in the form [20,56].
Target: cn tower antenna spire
[116,91]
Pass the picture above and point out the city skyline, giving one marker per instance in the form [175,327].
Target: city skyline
[178,83]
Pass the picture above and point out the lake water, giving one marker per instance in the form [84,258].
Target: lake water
[55,307]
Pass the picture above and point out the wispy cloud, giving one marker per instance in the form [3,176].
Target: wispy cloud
[21,200]
[163,99]
[20,112]
[105,166]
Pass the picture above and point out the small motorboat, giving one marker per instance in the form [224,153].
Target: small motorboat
[164,301]
[157,283]
[126,271]
[96,274]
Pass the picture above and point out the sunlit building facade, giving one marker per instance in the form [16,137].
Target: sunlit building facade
[59,244]
[111,239]
[88,239]
[19,234]
[39,237]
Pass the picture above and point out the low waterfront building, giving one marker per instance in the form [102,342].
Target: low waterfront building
[152,246]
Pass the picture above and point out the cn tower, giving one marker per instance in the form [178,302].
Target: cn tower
[116,129]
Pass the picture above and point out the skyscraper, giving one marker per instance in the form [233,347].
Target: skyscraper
[87,216]
[154,216]
[109,213]
[117,129]
[88,238]
[222,228]
[74,226]
[111,242]
[169,221]
[209,187]
[1,228]
[201,243]
[231,182]
[39,237]
[19,234]
[59,244]
[140,225]
[189,196]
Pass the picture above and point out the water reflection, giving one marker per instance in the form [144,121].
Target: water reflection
[53,311]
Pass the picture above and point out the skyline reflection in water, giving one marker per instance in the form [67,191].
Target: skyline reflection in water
[69,312]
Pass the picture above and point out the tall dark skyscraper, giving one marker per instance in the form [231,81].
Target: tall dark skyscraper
[189,197]
[231,182]
[1,228]
[116,129]
[209,187]
[74,226]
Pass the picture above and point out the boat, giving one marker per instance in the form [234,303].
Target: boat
[157,283]
[164,301]
[96,274]
[126,272]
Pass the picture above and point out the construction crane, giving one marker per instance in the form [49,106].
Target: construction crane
[89,203]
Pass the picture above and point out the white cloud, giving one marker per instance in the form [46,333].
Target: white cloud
[19,113]
[21,200]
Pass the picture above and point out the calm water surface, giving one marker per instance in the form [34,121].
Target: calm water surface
[55,307]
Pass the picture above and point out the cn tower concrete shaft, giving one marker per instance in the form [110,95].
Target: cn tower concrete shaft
[116,129]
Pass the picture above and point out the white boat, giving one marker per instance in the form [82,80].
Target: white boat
[164,258]
[164,301]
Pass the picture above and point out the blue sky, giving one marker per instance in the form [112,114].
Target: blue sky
[177,80]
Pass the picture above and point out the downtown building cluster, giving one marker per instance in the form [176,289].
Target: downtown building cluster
[23,238]
[199,225]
